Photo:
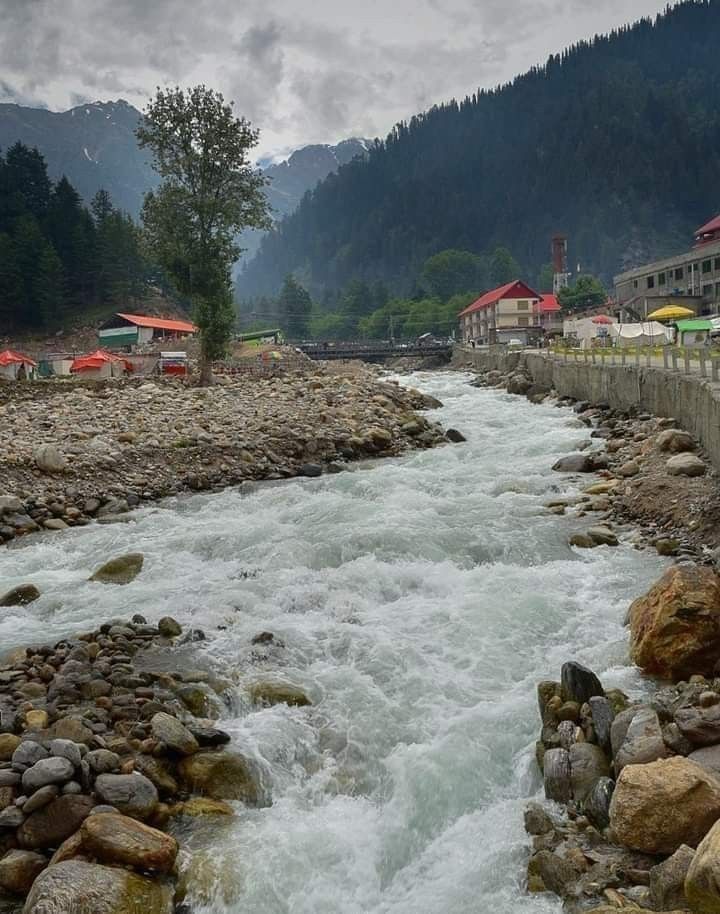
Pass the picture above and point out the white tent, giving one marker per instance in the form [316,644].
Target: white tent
[646,333]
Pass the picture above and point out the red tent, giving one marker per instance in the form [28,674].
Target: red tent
[602,319]
[10,357]
[96,360]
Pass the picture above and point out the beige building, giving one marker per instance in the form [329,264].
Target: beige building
[691,280]
[510,312]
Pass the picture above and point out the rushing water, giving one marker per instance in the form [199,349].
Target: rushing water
[419,601]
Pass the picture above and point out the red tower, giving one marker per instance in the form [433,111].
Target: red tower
[559,262]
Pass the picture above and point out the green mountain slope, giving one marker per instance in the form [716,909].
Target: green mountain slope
[615,142]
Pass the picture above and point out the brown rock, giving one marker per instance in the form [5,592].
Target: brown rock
[644,795]
[220,775]
[51,825]
[8,744]
[675,627]
[275,693]
[19,869]
[667,880]
[702,883]
[120,840]
[75,886]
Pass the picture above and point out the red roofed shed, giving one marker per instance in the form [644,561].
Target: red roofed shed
[16,365]
[507,314]
[124,330]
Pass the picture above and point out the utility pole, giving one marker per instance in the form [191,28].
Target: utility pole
[392,331]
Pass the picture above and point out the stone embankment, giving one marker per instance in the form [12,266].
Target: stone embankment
[632,818]
[83,452]
[102,759]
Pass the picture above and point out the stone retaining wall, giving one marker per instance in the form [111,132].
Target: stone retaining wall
[690,399]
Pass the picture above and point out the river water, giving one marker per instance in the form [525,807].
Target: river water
[419,601]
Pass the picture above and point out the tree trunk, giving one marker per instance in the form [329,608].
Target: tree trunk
[206,375]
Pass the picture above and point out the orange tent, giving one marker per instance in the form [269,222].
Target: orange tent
[16,364]
[98,362]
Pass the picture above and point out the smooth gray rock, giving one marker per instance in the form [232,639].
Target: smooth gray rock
[619,728]
[47,771]
[102,761]
[27,754]
[66,748]
[41,798]
[701,726]
[20,595]
[133,794]
[11,817]
[9,778]
[588,763]
[708,758]
[643,741]
[574,463]
[170,731]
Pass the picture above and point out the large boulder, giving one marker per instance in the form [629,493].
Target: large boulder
[674,441]
[75,886]
[121,570]
[20,595]
[133,794]
[50,825]
[49,459]
[659,806]
[575,463]
[588,764]
[685,465]
[675,627]
[220,775]
[276,693]
[120,840]
[702,883]
[700,726]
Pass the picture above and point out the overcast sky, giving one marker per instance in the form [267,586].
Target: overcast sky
[310,71]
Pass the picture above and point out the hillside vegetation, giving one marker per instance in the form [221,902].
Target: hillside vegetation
[615,142]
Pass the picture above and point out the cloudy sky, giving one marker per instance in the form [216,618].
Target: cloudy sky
[310,71]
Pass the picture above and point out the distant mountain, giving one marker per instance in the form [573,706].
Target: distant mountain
[92,145]
[615,142]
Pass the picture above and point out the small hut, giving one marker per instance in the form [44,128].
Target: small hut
[15,366]
[99,365]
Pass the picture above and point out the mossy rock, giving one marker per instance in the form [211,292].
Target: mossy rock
[196,807]
[278,693]
[221,776]
[121,570]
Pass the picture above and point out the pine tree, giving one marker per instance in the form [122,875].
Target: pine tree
[48,288]
[295,307]
[12,288]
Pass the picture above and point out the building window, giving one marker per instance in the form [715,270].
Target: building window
[717,264]
[679,273]
[522,306]
[661,279]
[523,322]
[707,266]
[707,290]
[651,282]
[635,284]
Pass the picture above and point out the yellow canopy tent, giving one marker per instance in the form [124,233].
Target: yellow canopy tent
[671,313]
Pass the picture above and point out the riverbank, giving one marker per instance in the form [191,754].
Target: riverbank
[633,821]
[95,451]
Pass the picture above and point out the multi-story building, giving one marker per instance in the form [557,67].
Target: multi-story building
[513,311]
[691,279]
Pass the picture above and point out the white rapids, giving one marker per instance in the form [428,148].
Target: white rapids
[419,600]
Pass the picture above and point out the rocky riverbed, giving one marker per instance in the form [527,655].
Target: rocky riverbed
[108,745]
[632,819]
[79,452]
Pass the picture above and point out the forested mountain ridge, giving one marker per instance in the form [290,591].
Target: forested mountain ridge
[615,142]
[92,145]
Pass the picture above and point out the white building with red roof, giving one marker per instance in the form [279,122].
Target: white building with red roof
[127,331]
[510,312]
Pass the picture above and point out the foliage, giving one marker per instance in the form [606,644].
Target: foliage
[296,305]
[57,260]
[546,278]
[209,193]
[562,148]
[586,292]
[449,272]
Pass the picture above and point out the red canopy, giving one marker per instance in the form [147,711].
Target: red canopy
[96,360]
[9,357]
[602,319]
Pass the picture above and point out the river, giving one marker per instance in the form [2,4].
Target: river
[419,601]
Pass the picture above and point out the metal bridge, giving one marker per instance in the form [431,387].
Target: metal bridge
[378,351]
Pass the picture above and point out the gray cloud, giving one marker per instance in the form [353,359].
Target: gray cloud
[301,72]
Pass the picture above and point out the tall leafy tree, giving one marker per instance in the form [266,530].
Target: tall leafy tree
[450,272]
[503,267]
[209,193]
[48,287]
[295,307]
[586,292]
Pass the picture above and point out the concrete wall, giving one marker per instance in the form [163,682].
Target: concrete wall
[693,401]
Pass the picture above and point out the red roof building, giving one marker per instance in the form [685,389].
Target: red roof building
[16,365]
[126,331]
[503,314]
[708,232]
[100,364]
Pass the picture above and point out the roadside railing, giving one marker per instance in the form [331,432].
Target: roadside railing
[672,358]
